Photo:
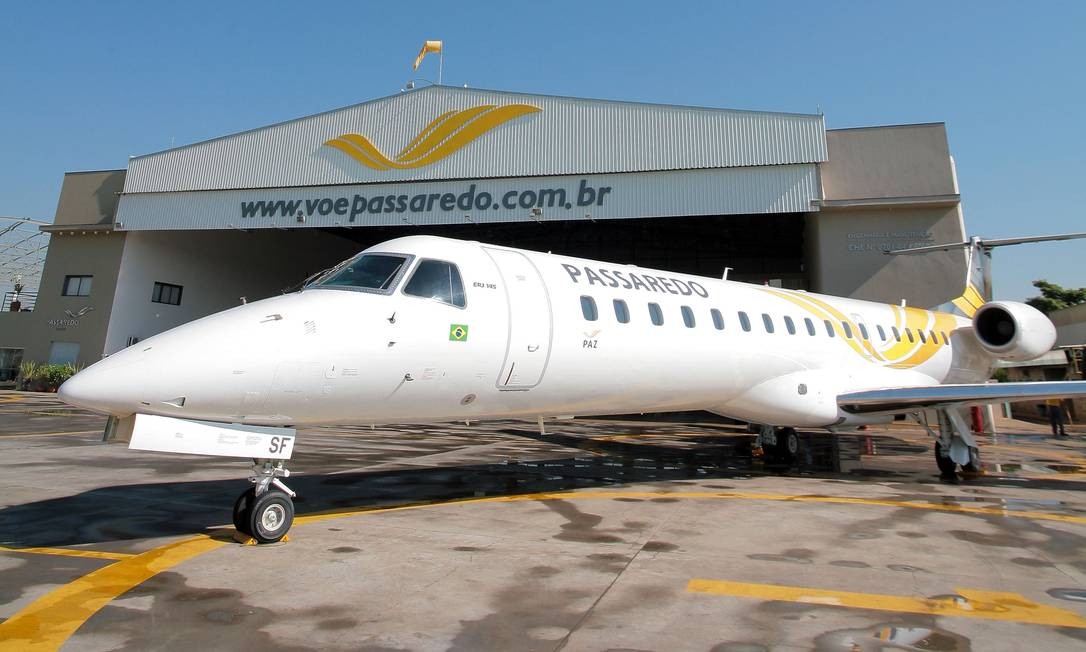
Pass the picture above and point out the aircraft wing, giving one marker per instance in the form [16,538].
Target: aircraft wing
[909,399]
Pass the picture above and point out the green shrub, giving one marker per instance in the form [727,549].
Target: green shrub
[37,377]
[29,373]
[56,374]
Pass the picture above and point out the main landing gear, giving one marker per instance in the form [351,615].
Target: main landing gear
[954,443]
[265,511]
[781,444]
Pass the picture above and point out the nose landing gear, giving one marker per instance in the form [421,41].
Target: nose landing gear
[265,511]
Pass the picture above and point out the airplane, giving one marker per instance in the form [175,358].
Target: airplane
[430,329]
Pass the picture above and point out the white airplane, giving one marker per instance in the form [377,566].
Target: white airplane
[428,329]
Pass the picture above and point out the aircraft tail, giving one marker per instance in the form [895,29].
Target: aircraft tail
[974,295]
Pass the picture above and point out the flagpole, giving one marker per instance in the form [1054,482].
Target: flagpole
[440,64]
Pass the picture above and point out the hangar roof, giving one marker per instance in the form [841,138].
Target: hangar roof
[442,132]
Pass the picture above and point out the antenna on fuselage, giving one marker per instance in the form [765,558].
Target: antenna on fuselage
[726,270]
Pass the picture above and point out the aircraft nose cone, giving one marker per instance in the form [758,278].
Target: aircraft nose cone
[103,387]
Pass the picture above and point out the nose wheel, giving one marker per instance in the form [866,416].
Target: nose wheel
[265,511]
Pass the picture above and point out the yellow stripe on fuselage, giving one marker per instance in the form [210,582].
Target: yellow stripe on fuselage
[900,354]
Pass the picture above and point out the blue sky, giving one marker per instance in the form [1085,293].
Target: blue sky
[85,85]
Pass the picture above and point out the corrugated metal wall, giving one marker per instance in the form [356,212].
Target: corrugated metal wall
[567,136]
[729,191]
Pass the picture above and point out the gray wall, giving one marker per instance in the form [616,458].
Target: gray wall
[89,197]
[94,254]
[883,162]
[215,269]
[888,188]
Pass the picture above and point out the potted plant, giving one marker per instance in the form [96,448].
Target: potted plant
[16,305]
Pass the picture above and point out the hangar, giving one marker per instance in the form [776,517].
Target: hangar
[774,197]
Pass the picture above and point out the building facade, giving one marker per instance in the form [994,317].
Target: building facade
[773,197]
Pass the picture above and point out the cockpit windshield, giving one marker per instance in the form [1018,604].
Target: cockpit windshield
[373,272]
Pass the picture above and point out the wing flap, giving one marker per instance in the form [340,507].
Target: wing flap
[907,399]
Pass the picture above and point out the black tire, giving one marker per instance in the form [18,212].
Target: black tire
[787,448]
[946,465]
[242,509]
[271,516]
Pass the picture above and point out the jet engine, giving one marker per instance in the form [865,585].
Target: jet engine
[1013,331]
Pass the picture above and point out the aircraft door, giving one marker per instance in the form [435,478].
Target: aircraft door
[528,348]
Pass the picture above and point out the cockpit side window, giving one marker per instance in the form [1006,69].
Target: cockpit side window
[368,272]
[438,280]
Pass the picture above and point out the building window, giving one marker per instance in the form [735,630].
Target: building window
[829,329]
[882,333]
[622,312]
[655,314]
[77,286]
[744,321]
[10,359]
[718,319]
[810,326]
[63,352]
[688,316]
[588,308]
[767,321]
[438,280]
[790,325]
[166,293]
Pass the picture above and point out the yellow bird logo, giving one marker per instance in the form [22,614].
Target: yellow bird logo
[445,135]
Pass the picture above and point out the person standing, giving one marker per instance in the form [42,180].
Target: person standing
[1055,416]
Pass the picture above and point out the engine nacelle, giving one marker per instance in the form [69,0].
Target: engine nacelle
[1013,331]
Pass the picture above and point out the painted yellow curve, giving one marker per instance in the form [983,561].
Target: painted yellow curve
[446,134]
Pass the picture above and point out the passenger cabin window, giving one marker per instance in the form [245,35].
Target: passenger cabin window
[790,325]
[688,316]
[847,329]
[909,334]
[897,333]
[829,329]
[437,280]
[923,338]
[934,338]
[767,321]
[945,340]
[77,286]
[622,312]
[655,314]
[718,319]
[882,333]
[588,308]
[810,326]
[744,321]
[368,272]
[863,331]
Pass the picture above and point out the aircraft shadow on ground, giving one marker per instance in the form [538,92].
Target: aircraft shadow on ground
[139,511]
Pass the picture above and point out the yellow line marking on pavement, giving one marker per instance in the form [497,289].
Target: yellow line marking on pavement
[70,552]
[990,605]
[51,434]
[49,621]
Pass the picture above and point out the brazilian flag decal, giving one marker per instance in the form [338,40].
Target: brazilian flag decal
[458,332]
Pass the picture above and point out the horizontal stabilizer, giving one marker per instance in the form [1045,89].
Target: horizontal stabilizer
[909,399]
